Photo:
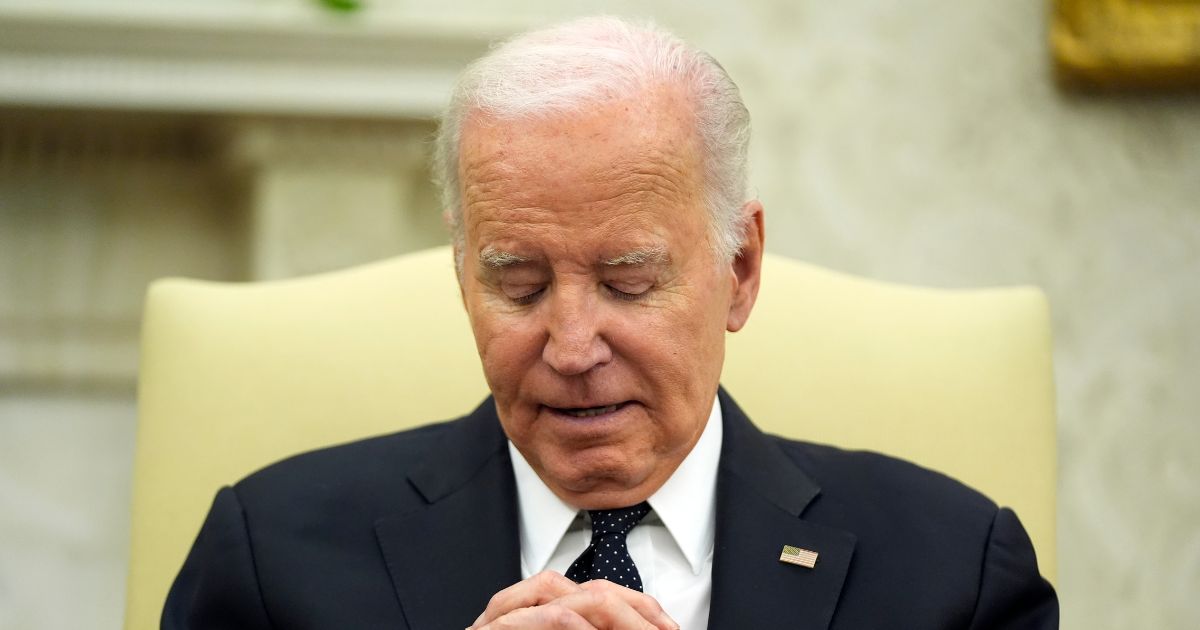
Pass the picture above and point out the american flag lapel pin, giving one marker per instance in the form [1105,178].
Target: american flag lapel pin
[802,557]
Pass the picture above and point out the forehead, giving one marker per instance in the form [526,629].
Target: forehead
[618,157]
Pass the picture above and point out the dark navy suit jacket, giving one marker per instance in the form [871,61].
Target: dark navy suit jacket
[417,530]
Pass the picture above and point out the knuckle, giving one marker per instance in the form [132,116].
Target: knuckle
[598,585]
[545,578]
[604,586]
[595,599]
[557,616]
[505,623]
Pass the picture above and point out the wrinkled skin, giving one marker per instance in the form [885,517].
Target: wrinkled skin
[598,305]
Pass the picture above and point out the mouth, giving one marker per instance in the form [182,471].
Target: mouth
[588,412]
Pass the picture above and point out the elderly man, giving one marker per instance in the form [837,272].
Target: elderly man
[594,180]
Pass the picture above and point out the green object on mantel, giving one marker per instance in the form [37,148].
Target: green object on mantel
[345,6]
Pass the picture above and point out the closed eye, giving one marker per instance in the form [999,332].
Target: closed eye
[527,298]
[625,295]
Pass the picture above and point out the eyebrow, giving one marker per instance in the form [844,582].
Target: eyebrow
[496,260]
[648,256]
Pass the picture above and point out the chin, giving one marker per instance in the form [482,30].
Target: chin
[591,480]
[607,497]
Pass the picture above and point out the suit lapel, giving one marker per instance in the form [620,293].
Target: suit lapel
[761,496]
[468,547]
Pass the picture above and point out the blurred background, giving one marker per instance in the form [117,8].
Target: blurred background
[922,141]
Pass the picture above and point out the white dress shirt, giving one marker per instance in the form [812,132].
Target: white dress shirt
[672,547]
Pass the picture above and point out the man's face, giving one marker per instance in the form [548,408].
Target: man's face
[598,306]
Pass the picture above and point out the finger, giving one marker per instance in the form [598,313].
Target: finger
[533,591]
[604,608]
[646,606]
[547,617]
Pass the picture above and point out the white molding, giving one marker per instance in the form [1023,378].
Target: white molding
[315,68]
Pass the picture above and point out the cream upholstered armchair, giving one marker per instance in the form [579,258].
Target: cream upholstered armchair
[237,376]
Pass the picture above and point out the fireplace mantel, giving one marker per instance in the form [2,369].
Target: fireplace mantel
[228,141]
[252,63]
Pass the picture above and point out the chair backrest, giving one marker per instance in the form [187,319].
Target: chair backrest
[235,376]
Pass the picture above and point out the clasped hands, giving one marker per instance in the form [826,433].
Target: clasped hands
[550,600]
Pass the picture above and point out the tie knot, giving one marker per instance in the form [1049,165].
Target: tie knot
[618,521]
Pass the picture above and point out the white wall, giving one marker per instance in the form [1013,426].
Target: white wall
[64,510]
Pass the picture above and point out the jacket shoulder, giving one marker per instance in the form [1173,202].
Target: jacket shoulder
[877,479]
[944,550]
[895,506]
[353,473]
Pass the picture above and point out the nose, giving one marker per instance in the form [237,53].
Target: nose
[574,344]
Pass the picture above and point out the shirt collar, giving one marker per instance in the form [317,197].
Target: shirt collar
[545,518]
[686,503]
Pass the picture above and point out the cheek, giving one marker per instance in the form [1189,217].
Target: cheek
[673,346]
[507,350]
[692,342]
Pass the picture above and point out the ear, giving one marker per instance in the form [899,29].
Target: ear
[747,266]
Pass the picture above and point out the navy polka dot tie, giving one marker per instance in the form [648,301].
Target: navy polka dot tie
[607,558]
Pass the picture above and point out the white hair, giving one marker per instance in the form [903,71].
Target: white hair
[562,68]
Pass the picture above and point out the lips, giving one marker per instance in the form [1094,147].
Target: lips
[588,412]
